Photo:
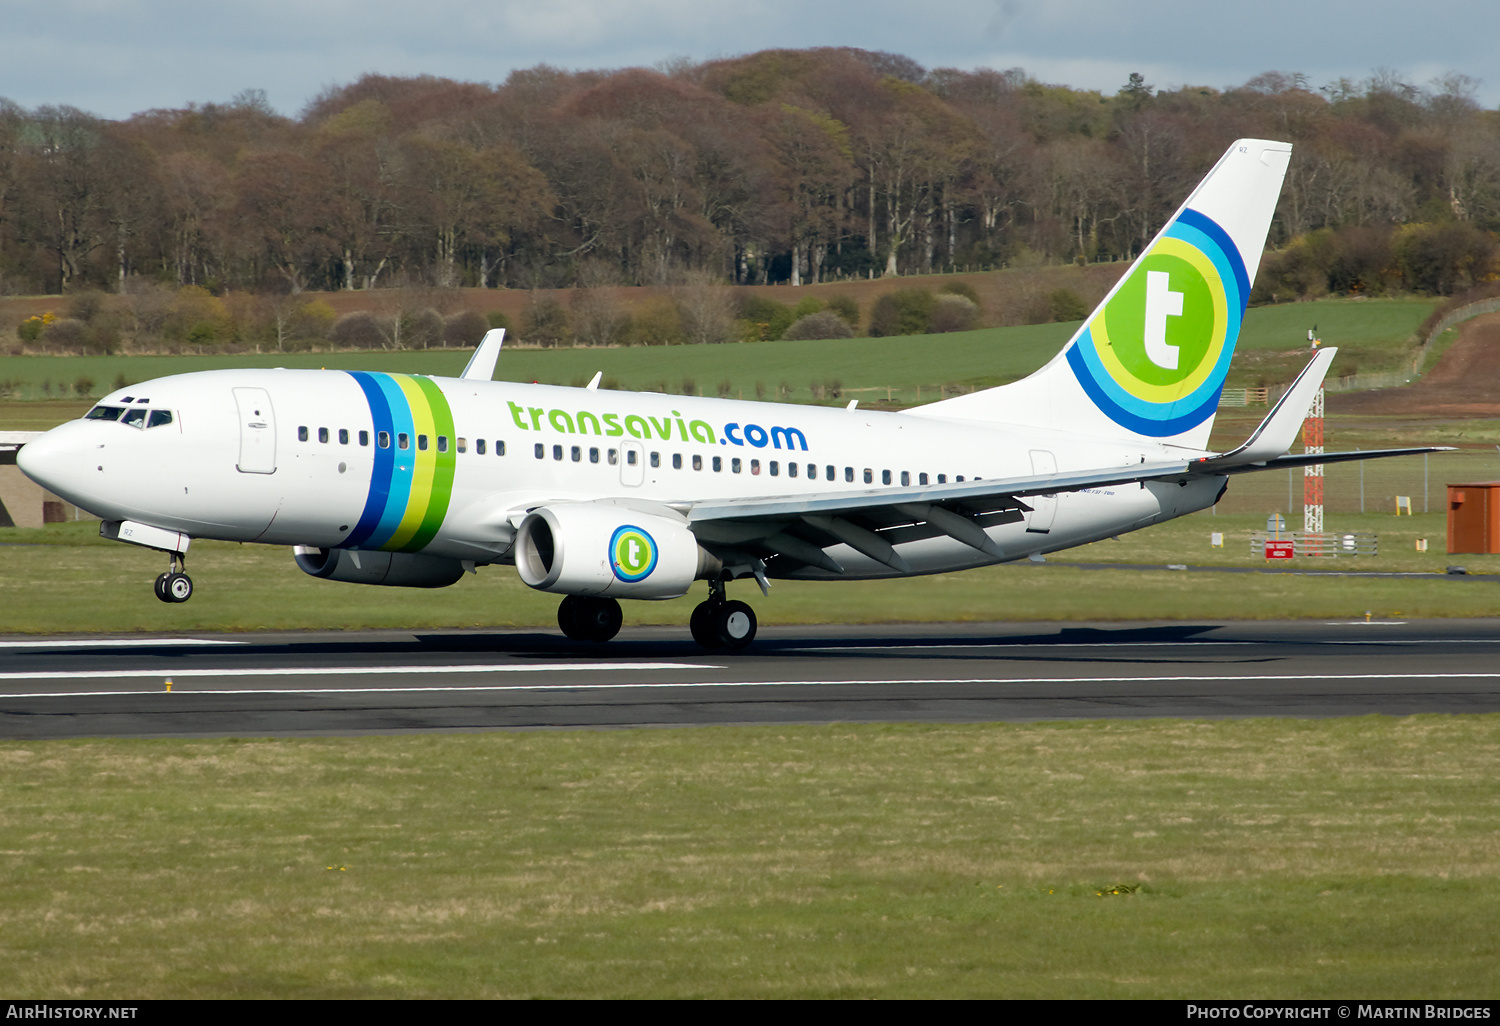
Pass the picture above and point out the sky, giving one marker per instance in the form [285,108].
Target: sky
[114,58]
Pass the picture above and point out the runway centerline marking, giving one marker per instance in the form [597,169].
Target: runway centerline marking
[121,643]
[600,686]
[1059,645]
[335,671]
[878,646]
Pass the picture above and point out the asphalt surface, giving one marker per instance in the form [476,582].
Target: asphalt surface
[332,683]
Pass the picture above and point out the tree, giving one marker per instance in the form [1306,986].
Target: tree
[281,213]
[354,148]
[66,184]
[196,192]
[1136,93]
[813,154]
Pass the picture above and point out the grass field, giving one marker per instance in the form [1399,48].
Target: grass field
[1166,859]
[901,371]
[1248,859]
[63,578]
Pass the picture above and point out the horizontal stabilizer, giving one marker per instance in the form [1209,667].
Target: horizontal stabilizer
[1306,459]
[482,364]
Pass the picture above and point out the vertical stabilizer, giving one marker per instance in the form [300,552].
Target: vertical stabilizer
[1150,362]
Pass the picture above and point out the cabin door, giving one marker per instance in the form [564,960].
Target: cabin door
[257,431]
[1043,507]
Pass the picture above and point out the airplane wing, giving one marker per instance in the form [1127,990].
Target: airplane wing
[873,521]
[779,534]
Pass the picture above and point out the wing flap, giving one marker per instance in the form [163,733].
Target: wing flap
[994,494]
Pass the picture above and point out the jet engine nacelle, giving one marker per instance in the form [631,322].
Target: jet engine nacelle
[391,569]
[588,548]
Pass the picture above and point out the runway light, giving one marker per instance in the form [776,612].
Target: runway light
[169,683]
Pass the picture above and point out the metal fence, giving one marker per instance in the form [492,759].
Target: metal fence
[1329,544]
[1369,486]
[1244,397]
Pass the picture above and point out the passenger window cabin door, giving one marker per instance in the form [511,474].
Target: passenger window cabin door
[257,431]
[632,464]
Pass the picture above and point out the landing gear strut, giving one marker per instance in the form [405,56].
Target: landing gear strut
[175,585]
[722,623]
[583,618]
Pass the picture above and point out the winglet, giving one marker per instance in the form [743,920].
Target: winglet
[482,364]
[1279,430]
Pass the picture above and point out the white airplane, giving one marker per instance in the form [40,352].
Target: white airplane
[409,480]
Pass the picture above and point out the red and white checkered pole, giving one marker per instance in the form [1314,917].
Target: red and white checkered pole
[1312,476]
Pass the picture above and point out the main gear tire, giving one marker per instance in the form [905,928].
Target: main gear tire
[734,625]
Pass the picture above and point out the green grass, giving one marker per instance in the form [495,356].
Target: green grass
[1372,335]
[1285,859]
[901,371]
[63,578]
[1352,325]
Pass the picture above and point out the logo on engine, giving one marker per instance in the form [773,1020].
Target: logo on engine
[632,554]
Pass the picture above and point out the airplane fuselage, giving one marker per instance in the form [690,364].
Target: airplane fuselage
[448,467]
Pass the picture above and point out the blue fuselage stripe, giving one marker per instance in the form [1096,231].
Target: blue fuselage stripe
[403,462]
[380,476]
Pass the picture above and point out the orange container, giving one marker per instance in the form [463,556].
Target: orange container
[1474,517]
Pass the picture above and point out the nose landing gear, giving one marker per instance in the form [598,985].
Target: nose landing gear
[722,623]
[175,585]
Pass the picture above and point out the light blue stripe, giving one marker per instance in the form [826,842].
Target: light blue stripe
[403,467]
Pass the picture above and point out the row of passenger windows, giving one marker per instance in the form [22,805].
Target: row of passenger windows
[403,440]
[612,457]
[737,465]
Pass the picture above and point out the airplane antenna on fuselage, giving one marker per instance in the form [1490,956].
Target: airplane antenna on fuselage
[482,364]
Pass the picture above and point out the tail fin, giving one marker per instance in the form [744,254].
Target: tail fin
[1150,362]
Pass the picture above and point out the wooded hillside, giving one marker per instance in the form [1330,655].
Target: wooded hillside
[792,166]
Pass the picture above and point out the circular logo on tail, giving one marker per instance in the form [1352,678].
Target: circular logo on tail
[632,554]
[1155,356]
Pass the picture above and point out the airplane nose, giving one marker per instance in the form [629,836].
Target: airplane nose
[36,456]
[56,461]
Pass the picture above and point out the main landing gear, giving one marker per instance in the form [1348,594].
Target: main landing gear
[716,623]
[175,585]
[584,618]
[720,623]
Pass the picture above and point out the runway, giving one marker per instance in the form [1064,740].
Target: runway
[333,683]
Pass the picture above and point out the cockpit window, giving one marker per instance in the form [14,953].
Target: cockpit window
[159,417]
[104,413]
[134,417]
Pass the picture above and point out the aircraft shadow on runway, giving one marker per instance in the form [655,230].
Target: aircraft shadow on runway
[911,642]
